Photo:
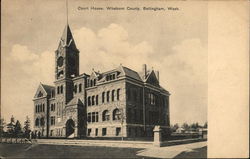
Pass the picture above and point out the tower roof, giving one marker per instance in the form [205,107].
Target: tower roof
[67,39]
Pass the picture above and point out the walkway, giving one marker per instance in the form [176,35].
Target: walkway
[170,151]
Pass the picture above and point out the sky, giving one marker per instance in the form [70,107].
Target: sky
[173,42]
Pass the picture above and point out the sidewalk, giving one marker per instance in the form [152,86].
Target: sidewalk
[106,143]
[170,151]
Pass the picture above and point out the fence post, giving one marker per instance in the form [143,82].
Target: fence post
[157,136]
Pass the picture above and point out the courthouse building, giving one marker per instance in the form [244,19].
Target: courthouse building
[119,102]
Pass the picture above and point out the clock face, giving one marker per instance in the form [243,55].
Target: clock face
[60,61]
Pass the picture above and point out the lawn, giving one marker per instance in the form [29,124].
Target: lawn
[64,151]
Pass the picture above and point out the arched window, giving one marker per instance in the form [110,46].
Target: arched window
[80,87]
[116,114]
[58,90]
[93,100]
[37,122]
[108,96]
[75,88]
[42,122]
[118,94]
[105,115]
[96,99]
[89,101]
[103,97]
[61,88]
[113,95]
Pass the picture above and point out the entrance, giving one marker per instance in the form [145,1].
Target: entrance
[70,127]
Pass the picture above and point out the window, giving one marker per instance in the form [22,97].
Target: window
[36,108]
[118,94]
[94,82]
[93,100]
[37,122]
[152,99]
[52,120]
[89,132]
[58,90]
[75,88]
[61,88]
[113,76]
[93,117]
[118,131]
[89,101]
[113,95]
[80,87]
[91,83]
[42,122]
[97,116]
[52,107]
[89,117]
[96,99]
[96,132]
[116,114]
[104,131]
[43,108]
[108,96]
[105,115]
[103,97]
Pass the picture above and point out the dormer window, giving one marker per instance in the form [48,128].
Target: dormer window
[40,94]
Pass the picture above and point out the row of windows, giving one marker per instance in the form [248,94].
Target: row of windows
[94,116]
[104,131]
[91,83]
[40,108]
[93,100]
[110,77]
[60,89]
[39,122]
[78,88]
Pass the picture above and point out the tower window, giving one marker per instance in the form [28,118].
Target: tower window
[75,88]
[80,87]
[61,88]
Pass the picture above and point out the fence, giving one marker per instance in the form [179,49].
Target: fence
[16,140]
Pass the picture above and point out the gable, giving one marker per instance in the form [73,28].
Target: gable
[152,79]
[40,92]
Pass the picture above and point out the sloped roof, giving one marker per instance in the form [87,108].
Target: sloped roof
[47,88]
[131,73]
[75,101]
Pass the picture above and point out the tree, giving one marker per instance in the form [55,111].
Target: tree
[205,125]
[17,128]
[2,125]
[11,125]
[26,127]
[185,126]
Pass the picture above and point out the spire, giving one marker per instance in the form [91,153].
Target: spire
[67,39]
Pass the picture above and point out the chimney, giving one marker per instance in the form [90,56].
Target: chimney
[157,75]
[144,70]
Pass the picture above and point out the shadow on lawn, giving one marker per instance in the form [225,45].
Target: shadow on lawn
[195,153]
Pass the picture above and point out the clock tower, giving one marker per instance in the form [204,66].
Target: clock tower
[66,66]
